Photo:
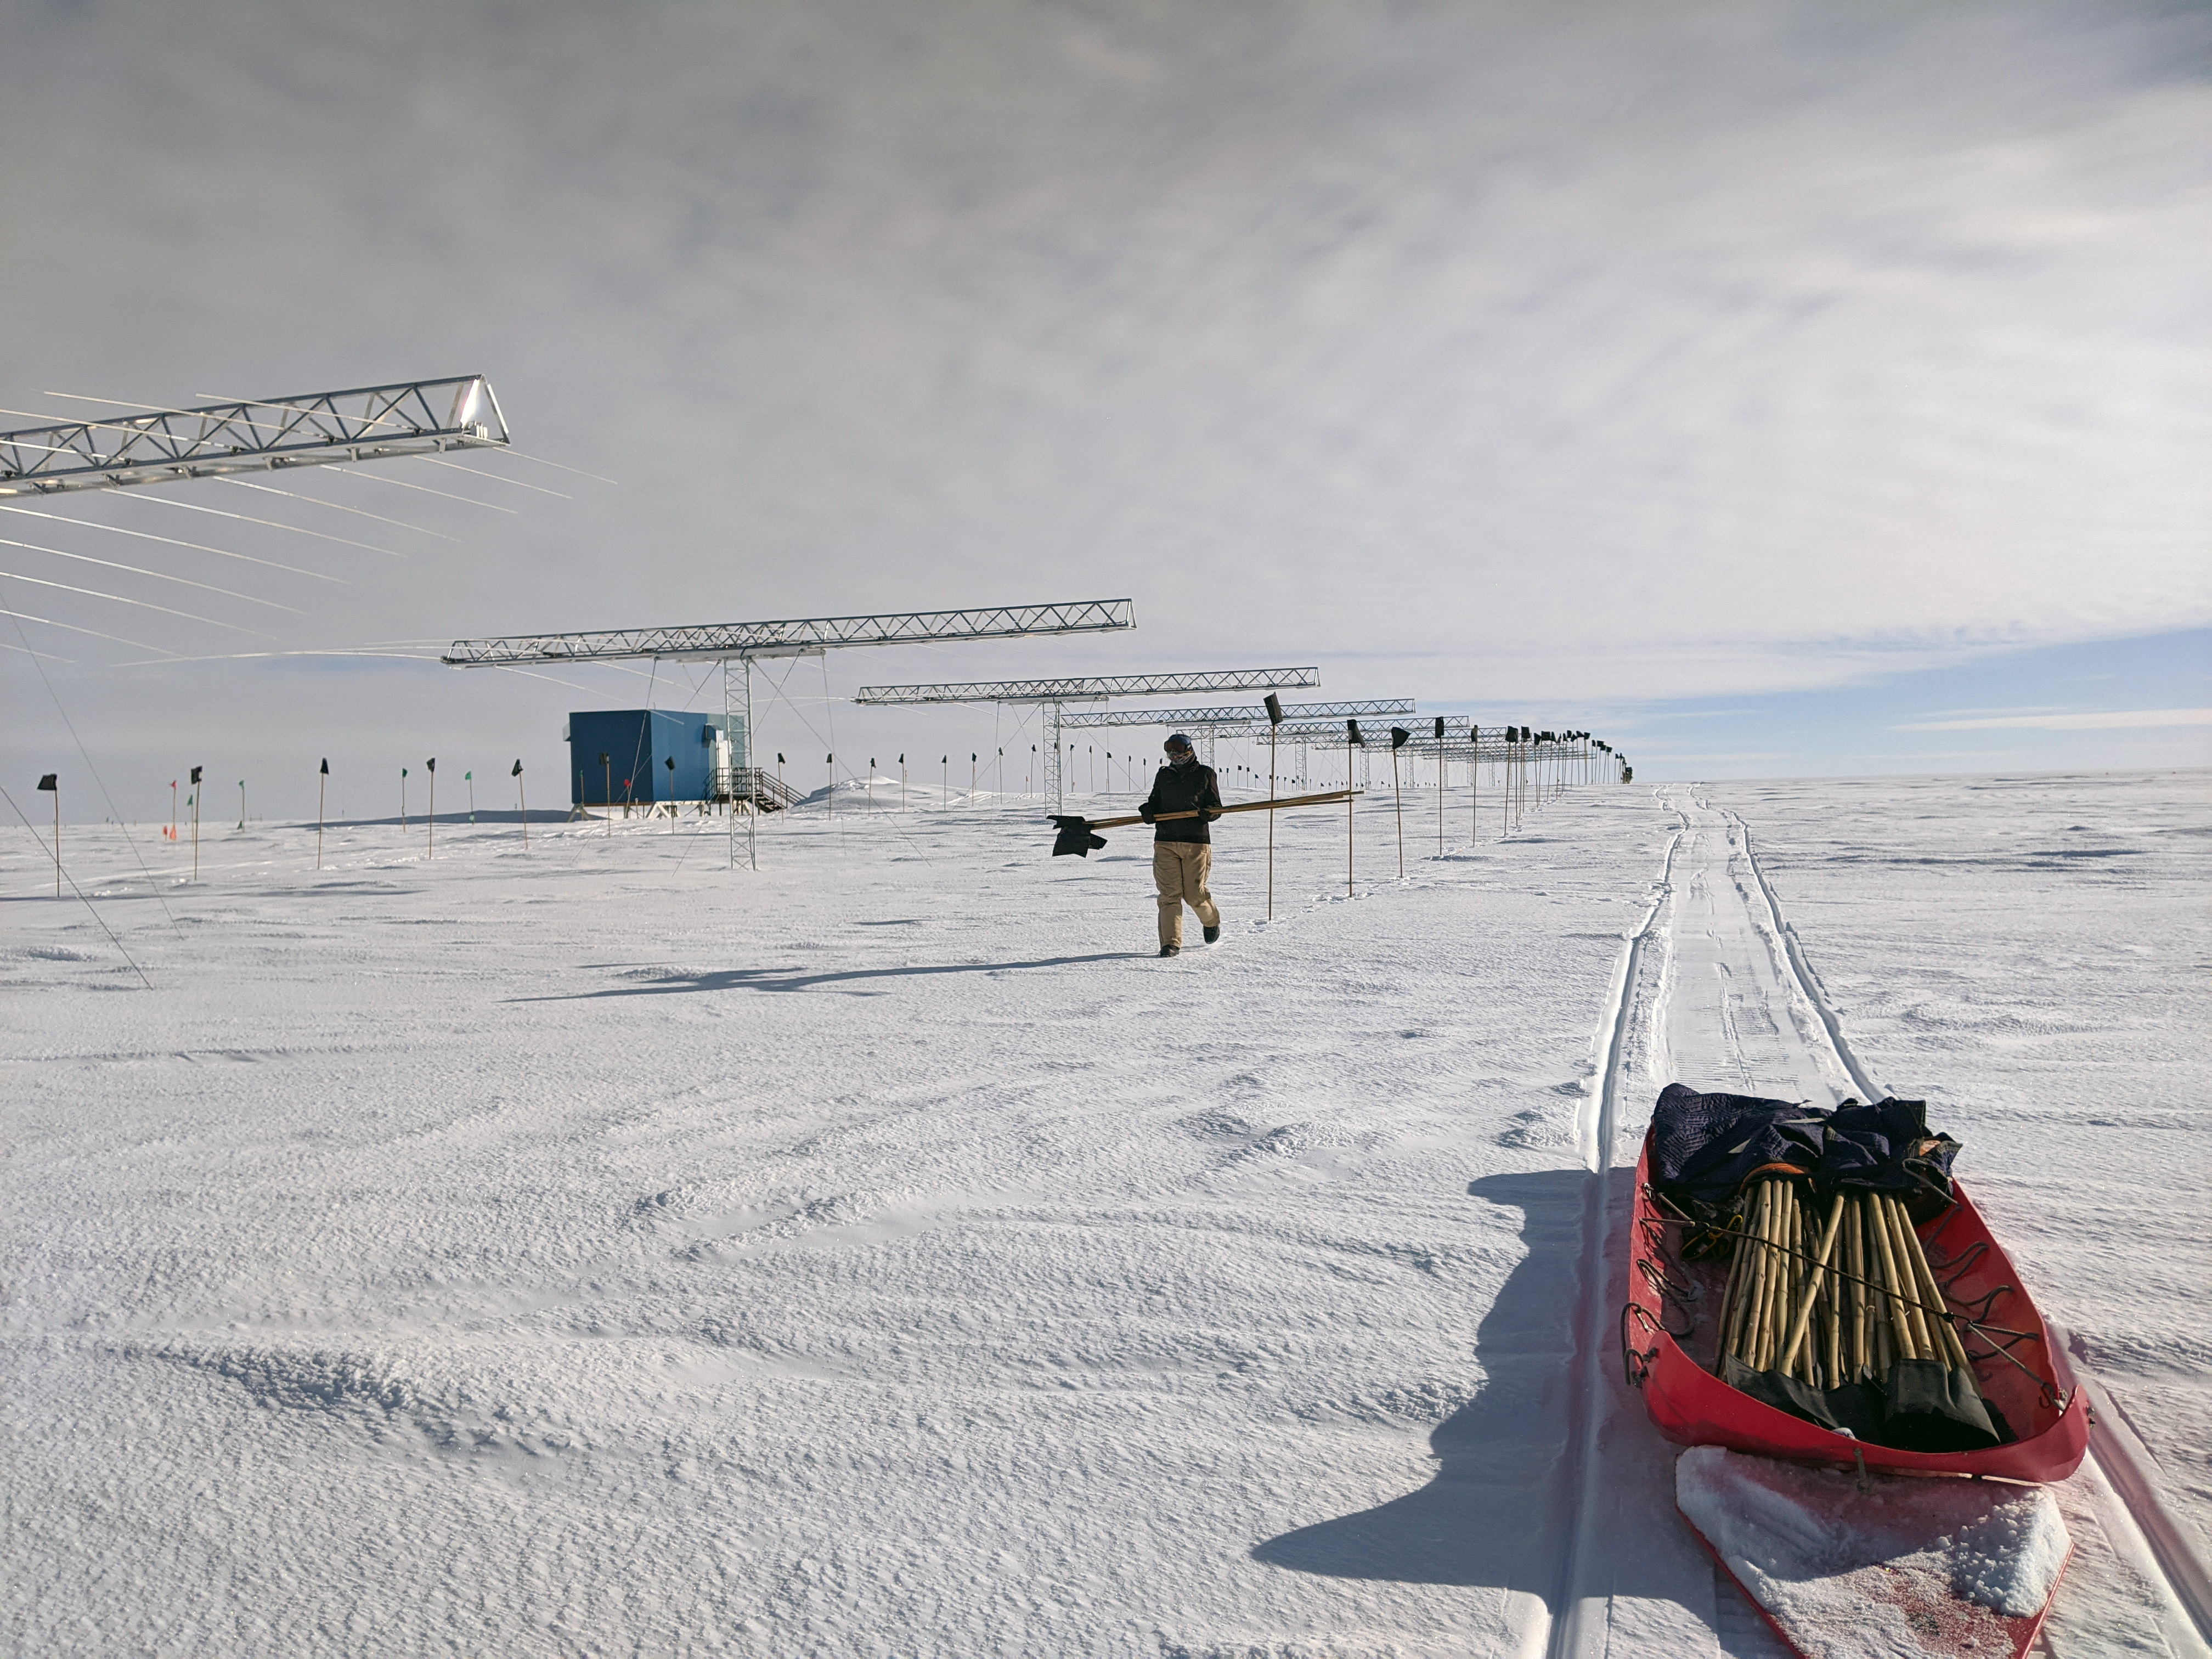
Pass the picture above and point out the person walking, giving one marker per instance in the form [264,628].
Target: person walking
[1182,848]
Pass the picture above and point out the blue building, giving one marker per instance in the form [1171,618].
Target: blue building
[621,757]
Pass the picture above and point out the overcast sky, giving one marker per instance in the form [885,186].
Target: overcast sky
[1577,363]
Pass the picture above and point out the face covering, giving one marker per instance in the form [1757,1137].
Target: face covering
[1182,763]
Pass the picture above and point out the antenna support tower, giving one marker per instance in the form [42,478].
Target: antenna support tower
[1054,693]
[257,434]
[805,636]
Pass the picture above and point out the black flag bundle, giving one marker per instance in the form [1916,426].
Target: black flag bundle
[1075,836]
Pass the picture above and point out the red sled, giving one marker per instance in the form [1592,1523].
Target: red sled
[2006,1340]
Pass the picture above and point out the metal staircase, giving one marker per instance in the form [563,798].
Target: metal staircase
[750,788]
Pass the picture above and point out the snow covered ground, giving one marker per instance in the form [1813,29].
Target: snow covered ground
[593,1250]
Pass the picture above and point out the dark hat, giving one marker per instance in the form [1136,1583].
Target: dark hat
[1176,740]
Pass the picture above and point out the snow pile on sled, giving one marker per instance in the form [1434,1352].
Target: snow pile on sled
[1890,1567]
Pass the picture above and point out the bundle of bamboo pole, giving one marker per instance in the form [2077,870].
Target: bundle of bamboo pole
[1833,1293]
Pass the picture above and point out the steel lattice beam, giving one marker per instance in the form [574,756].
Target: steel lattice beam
[1096,690]
[1220,717]
[363,423]
[1054,693]
[805,636]
[1490,747]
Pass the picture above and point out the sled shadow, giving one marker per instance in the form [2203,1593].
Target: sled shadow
[1495,1513]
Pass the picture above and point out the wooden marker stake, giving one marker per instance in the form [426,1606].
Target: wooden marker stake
[1440,785]
[52,784]
[1352,740]
[1398,737]
[1274,721]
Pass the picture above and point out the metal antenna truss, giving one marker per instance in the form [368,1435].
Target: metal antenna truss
[1222,719]
[1054,693]
[1333,735]
[805,636]
[263,435]
[1097,690]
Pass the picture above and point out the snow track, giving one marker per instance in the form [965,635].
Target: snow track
[1735,1005]
[1570,1633]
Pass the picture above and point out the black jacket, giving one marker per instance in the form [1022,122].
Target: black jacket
[1183,791]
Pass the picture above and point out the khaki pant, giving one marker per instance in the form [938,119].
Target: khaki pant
[1179,870]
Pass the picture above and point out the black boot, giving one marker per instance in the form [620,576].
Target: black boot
[1212,934]
[1171,950]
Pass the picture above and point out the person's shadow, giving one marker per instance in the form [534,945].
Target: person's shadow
[1495,1512]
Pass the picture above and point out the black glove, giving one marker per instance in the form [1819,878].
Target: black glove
[1146,813]
[1212,813]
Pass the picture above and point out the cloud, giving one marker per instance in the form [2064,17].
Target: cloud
[1505,350]
[2100,720]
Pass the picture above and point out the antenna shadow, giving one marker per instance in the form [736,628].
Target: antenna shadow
[769,979]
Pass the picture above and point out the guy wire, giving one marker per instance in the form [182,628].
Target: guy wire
[79,891]
[160,898]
